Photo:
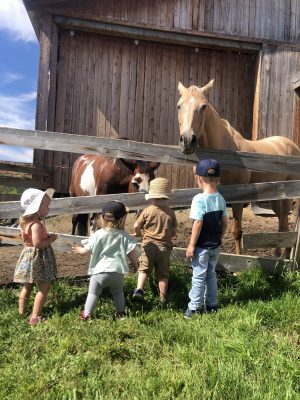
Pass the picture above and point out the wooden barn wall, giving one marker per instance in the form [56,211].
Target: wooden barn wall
[280,68]
[114,87]
[256,19]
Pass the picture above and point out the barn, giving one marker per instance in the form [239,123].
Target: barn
[110,68]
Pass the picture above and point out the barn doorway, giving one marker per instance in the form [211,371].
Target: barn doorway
[120,87]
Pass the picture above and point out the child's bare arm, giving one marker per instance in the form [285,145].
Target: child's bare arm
[37,241]
[133,257]
[137,229]
[79,249]
[196,229]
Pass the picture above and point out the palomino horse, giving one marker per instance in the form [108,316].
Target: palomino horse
[200,125]
[96,175]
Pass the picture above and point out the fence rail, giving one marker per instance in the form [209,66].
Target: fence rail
[179,198]
[227,262]
[84,144]
[23,176]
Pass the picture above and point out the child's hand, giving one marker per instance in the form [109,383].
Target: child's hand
[79,249]
[75,248]
[190,251]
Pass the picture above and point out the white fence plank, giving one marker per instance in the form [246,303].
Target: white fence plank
[180,198]
[84,144]
[227,262]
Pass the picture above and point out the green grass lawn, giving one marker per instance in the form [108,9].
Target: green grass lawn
[248,350]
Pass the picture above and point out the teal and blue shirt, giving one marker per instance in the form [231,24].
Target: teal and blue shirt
[209,208]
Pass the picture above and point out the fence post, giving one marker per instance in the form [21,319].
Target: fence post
[296,263]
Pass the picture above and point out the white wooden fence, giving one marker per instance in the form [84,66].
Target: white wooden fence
[180,198]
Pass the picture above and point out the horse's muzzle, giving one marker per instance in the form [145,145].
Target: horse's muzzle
[187,143]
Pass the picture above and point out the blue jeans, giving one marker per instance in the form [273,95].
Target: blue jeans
[204,280]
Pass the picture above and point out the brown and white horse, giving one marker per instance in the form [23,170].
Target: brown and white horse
[200,125]
[96,175]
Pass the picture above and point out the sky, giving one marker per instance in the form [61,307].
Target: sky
[19,58]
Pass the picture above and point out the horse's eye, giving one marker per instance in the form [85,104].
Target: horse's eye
[178,107]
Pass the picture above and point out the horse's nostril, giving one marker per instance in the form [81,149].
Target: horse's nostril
[193,141]
[181,139]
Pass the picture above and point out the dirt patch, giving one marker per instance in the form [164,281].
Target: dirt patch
[74,265]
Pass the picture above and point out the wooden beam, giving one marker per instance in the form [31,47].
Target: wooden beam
[9,197]
[23,183]
[84,144]
[25,168]
[156,35]
[227,262]
[272,240]
[179,198]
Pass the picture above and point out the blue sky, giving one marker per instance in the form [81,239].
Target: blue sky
[19,57]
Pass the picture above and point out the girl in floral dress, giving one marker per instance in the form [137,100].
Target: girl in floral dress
[36,264]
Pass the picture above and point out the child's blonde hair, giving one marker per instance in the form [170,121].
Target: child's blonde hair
[118,224]
[209,179]
[25,219]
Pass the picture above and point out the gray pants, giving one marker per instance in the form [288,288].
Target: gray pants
[98,282]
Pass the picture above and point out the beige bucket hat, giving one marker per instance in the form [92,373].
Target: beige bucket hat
[31,200]
[159,188]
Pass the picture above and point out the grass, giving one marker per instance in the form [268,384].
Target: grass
[10,190]
[248,350]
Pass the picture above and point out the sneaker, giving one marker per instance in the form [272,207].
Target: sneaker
[121,315]
[190,313]
[138,294]
[211,309]
[84,317]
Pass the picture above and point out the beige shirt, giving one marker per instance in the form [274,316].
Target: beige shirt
[158,223]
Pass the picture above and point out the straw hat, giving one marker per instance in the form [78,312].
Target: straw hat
[31,200]
[159,188]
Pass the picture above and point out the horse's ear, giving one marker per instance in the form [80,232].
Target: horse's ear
[154,165]
[207,87]
[129,163]
[181,88]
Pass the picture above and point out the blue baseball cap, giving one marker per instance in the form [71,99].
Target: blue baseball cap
[113,210]
[208,167]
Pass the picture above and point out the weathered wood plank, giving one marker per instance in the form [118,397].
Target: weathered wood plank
[227,262]
[179,198]
[146,151]
[23,168]
[266,240]
[23,183]
[9,197]
[155,34]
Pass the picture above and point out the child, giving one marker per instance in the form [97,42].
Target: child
[159,225]
[208,210]
[36,263]
[109,247]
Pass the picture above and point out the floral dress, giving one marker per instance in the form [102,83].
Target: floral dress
[35,265]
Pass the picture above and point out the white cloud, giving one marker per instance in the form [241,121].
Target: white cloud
[17,112]
[17,154]
[14,19]
[10,77]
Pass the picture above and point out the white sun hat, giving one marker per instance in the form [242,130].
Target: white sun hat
[31,200]
[159,188]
